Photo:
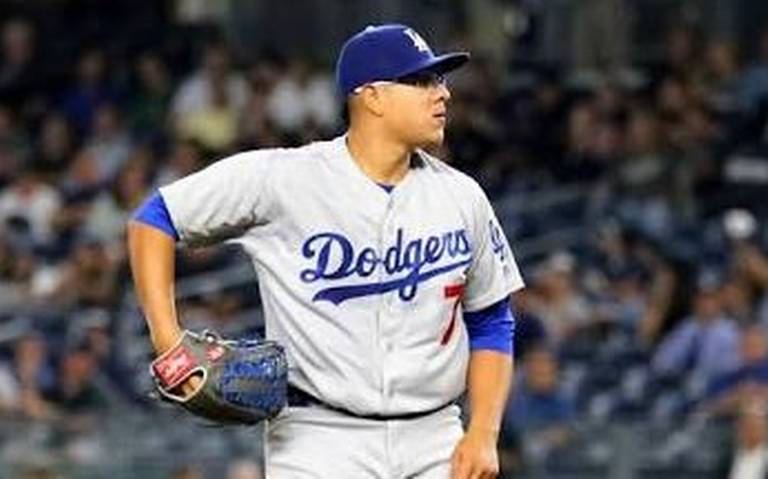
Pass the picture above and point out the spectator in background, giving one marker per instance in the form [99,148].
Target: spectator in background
[209,103]
[17,274]
[672,97]
[473,137]
[185,157]
[68,225]
[562,308]
[91,88]
[720,87]
[35,373]
[632,282]
[644,183]
[600,39]
[681,57]
[90,329]
[755,78]
[55,147]
[216,126]
[87,278]
[110,210]
[303,101]
[28,206]
[14,145]
[696,142]
[749,264]
[476,145]
[83,178]
[538,410]
[74,394]
[580,162]
[727,392]
[704,345]
[610,101]
[529,331]
[148,108]
[625,299]
[738,301]
[257,129]
[109,142]
[536,121]
[21,75]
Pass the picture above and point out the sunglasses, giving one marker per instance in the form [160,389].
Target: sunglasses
[424,79]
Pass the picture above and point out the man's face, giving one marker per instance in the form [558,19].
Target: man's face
[707,304]
[414,108]
[753,347]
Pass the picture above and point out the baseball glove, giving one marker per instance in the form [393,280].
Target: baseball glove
[242,381]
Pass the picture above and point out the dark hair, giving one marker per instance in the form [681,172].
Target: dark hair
[345,113]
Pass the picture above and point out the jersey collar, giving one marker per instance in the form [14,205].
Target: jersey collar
[339,152]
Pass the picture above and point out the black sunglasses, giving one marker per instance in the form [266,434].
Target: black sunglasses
[423,79]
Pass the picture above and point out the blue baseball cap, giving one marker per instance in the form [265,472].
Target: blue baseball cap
[388,52]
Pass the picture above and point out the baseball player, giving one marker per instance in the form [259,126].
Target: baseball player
[382,271]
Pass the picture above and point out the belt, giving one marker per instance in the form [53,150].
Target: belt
[298,398]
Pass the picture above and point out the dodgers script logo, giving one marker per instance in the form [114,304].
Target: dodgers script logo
[409,263]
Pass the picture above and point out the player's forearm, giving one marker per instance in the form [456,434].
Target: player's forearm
[152,259]
[488,383]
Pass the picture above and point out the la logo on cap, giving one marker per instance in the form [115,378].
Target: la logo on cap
[418,42]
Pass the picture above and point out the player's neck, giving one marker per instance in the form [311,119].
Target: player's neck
[383,161]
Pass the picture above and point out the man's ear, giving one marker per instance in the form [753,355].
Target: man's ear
[371,99]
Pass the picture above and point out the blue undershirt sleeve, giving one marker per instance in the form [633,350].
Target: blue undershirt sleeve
[491,328]
[154,212]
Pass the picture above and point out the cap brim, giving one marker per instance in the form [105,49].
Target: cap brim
[442,63]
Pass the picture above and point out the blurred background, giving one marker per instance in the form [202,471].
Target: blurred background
[624,144]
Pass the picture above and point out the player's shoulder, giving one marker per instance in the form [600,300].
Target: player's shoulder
[274,159]
[297,153]
[459,181]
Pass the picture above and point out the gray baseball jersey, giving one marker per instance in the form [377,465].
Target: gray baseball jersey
[364,287]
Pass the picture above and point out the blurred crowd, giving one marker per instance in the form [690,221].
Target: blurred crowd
[657,312]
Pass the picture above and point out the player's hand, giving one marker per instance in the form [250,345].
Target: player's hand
[164,342]
[475,457]
[189,386]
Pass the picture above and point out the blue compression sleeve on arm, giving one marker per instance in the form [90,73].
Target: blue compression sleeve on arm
[491,328]
[154,212]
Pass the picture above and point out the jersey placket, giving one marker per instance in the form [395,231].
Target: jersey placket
[385,326]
